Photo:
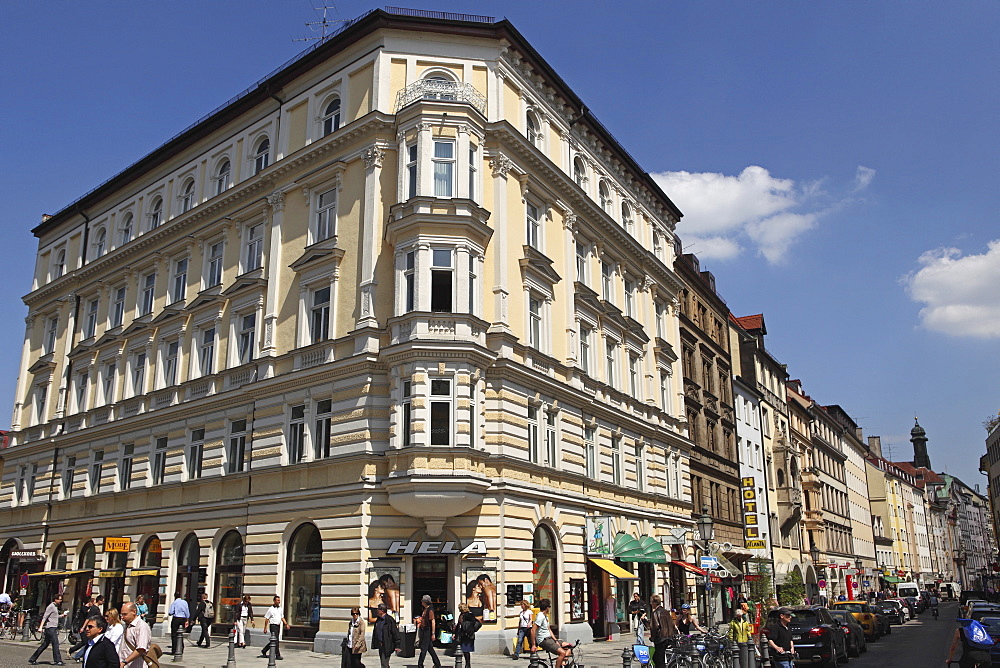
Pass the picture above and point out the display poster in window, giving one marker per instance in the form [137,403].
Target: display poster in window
[599,536]
[481,592]
[576,599]
[383,587]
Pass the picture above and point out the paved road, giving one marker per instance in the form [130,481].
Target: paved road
[922,643]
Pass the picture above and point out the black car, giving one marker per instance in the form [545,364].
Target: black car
[818,637]
[883,623]
[854,633]
[892,613]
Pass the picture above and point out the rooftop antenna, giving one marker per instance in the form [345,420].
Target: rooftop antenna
[887,447]
[323,27]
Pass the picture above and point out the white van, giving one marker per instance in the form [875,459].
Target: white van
[904,589]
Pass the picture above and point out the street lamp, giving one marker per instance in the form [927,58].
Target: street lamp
[813,551]
[705,529]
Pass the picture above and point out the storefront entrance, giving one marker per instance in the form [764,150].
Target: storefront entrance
[430,577]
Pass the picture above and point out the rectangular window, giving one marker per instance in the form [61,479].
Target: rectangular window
[407,425]
[616,460]
[535,322]
[326,215]
[444,168]
[206,354]
[68,476]
[411,171]
[170,363]
[534,447]
[409,280]
[51,332]
[533,226]
[118,308]
[255,247]
[90,328]
[41,394]
[196,453]
[125,232]
[640,467]
[159,466]
[96,468]
[585,335]
[473,167]
[125,468]
[320,315]
[661,318]
[590,451]
[610,355]
[665,392]
[606,285]
[633,376]
[473,262]
[82,382]
[440,412]
[581,262]
[321,435]
[236,452]
[214,276]
[108,386]
[297,435]
[180,279]
[441,280]
[551,439]
[246,342]
[148,292]
[138,374]
[30,482]
[629,298]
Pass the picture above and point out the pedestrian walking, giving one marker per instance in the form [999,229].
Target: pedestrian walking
[115,629]
[244,617]
[142,607]
[87,610]
[274,619]
[180,615]
[780,640]
[465,632]
[661,630]
[426,632]
[204,614]
[741,632]
[356,637]
[100,651]
[136,640]
[637,609]
[385,635]
[523,628]
[50,627]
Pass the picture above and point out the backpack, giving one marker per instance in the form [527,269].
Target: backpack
[209,610]
[976,635]
[470,626]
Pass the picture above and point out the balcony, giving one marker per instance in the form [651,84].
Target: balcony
[430,326]
[441,91]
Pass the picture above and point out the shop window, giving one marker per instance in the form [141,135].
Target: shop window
[189,583]
[304,569]
[229,560]
[60,559]
[544,576]
[148,586]
[440,411]
[88,557]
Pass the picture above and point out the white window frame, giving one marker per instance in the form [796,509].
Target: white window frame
[322,428]
[81,384]
[170,355]
[438,398]
[254,247]
[109,373]
[445,187]
[605,197]
[536,306]
[409,281]
[125,467]
[147,294]
[69,475]
[214,263]
[58,263]
[534,434]
[245,349]
[440,269]
[412,170]
[330,121]
[137,372]
[40,400]
[319,314]
[187,196]
[325,217]
[223,177]
[551,438]
[296,444]
[196,454]
[178,283]
[116,314]
[586,347]
[90,324]
[236,460]
[154,218]
[406,402]
[126,229]
[616,459]
[580,172]
[96,469]
[612,348]
[628,219]
[533,129]
[630,300]
[100,242]
[590,460]
[261,157]
[473,172]
[51,335]
[582,252]
[208,337]
[533,224]
[158,461]
[608,281]
[635,376]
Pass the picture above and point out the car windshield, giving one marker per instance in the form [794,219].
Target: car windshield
[841,615]
[851,607]
[885,605]
[993,622]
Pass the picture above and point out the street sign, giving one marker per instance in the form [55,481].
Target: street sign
[854,584]
[868,583]
[709,563]
[822,584]
[851,571]
[756,544]
[671,540]
[24,580]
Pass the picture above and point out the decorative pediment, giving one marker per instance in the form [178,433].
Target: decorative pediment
[86,346]
[539,265]
[636,329]
[584,296]
[251,279]
[207,296]
[138,325]
[323,250]
[108,337]
[168,313]
[44,363]
[611,314]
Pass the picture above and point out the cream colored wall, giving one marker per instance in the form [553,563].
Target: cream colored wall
[360,99]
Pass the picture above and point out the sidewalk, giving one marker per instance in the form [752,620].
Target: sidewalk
[591,655]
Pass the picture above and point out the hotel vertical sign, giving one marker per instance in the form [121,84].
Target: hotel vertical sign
[751,529]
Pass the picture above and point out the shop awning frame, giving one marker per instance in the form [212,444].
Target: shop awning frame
[613,569]
[60,574]
[892,579]
[644,549]
[689,567]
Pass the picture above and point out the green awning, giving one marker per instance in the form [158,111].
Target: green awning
[891,579]
[644,549]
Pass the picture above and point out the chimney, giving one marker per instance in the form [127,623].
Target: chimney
[875,445]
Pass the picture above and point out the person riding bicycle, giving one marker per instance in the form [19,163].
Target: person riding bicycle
[934,605]
[686,621]
[975,645]
[542,636]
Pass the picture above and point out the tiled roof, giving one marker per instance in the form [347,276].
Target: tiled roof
[751,322]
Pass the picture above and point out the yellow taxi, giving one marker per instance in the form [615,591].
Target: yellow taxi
[863,613]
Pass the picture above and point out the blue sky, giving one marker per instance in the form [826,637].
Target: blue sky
[838,163]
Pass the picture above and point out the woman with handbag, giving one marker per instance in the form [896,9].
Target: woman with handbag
[356,637]
[465,632]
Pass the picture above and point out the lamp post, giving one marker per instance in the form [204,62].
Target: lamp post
[814,555]
[706,531]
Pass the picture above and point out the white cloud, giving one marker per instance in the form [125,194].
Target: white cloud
[725,214]
[961,294]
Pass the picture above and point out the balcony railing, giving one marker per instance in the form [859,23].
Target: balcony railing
[437,89]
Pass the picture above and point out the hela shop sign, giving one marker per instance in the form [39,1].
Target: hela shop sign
[436,547]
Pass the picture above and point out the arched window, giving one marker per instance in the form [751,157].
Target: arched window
[781,478]
[261,155]
[580,173]
[223,177]
[439,87]
[188,566]
[100,242]
[87,557]
[531,130]
[543,552]
[331,117]
[59,267]
[59,558]
[155,213]
[228,576]
[125,229]
[148,586]
[605,194]
[626,216]
[302,582]
[187,196]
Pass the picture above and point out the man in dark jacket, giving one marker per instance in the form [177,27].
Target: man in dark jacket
[100,652]
[661,630]
[202,616]
[385,635]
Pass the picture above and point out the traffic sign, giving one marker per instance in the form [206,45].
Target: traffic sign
[24,580]
[854,584]
[709,563]
[822,584]
[851,571]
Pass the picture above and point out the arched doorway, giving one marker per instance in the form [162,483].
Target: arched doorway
[190,581]
[302,582]
[60,558]
[543,569]
[148,584]
[7,567]
[228,577]
[86,559]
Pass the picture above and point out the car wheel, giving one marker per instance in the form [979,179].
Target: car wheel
[845,657]
[855,649]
